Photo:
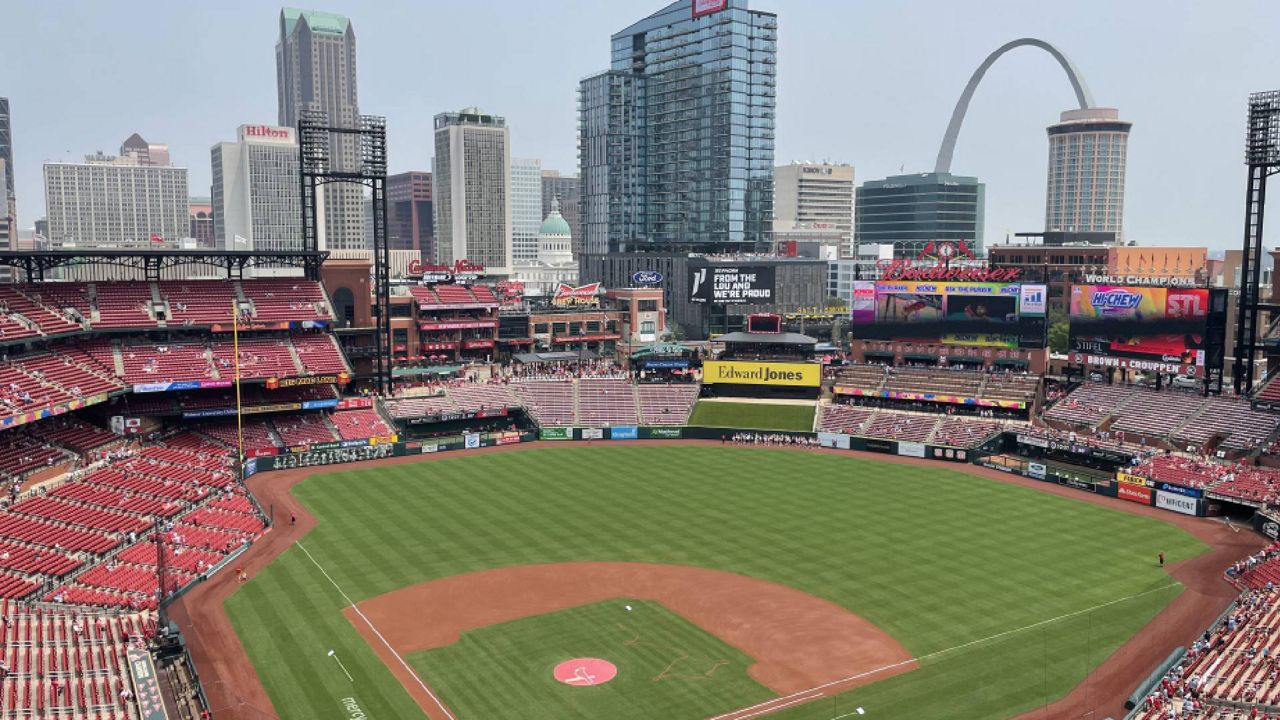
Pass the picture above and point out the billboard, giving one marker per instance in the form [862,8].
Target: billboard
[1176,503]
[987,314]
[706,7]
[583,295]
[740,372]
[1144,328]
[1134,493]
[732,284]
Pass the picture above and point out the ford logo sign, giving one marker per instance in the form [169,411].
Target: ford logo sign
[646,277]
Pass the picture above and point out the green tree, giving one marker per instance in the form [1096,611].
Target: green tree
[1059,330]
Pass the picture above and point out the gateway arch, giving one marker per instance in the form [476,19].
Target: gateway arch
[962,106]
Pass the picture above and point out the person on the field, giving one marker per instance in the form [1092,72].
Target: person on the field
[1160,556]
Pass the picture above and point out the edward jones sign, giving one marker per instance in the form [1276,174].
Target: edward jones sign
[762,373]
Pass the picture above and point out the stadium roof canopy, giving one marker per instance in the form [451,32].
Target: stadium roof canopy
[785,338]
[554,356]
[95,264]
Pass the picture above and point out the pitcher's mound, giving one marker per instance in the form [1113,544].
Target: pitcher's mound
[581,672]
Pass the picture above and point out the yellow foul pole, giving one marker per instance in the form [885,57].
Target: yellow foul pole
[235,347]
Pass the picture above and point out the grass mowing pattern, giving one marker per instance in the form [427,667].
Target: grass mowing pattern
[933,556]
[667,667]
[755,416]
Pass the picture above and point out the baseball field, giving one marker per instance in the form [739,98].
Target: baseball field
[691,581]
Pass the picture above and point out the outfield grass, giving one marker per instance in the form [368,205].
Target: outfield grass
[667,667]
[935,557]
[756,416]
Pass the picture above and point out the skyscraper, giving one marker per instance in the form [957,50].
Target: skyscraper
[471,189]
[1085,189]
[8,203]
[409,212]
[676,138]
[109,201]
[316,70]
[256,190]
[201,212]
[526,207]
[143,152]
[814,196]
[912,211]
[567,189]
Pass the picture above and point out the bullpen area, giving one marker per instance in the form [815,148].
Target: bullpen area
[754,414]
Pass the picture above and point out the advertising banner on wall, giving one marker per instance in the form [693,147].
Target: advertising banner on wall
[624,432]
[1178,490]
[732,285]
[669,433]
[471,440]
[556,433]
[1125,478]
[592,433]
[833,440]
[1134,493]
[1176,503]
[741,372]
[911,449]
[1036,470]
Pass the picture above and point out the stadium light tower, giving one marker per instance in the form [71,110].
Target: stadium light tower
[1262,156]
[314,134]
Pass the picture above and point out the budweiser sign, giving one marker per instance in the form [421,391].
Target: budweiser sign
[580,295]
[903,269]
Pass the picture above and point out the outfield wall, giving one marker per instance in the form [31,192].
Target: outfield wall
[351,451]
[1121,484]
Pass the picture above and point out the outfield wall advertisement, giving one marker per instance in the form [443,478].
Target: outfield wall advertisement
[741,372]
[1177,503]
[1134,493]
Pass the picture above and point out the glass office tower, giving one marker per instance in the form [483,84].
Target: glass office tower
[676,139]
[912,211]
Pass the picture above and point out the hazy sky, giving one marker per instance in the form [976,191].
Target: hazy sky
[871,83]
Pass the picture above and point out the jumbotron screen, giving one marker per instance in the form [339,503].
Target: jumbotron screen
[1008,315]
[1145,328]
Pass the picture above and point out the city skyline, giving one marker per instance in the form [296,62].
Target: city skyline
[1185,168]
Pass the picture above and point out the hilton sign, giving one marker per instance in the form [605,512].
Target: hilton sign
[269,133]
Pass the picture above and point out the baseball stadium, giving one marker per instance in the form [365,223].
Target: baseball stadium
[235,492]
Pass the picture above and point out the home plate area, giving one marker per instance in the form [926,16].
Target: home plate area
[625,641]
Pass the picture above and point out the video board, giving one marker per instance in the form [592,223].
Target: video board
[961,313]
[1144,328]
[733,284]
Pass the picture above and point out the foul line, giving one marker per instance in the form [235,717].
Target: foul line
[368,622]
[805,695]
